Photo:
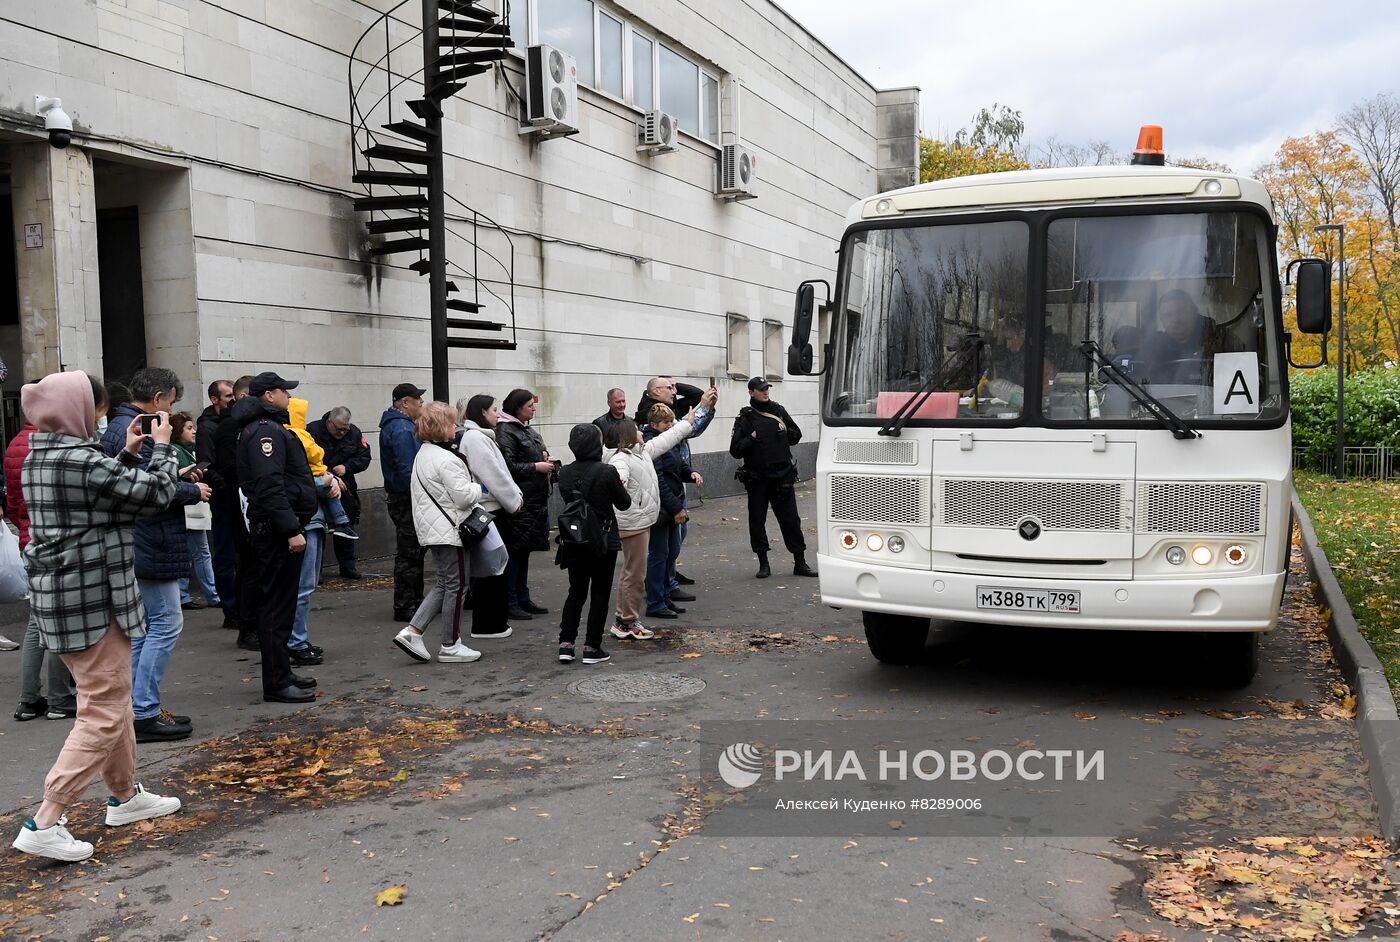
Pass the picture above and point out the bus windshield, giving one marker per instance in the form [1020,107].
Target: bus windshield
[1177,301]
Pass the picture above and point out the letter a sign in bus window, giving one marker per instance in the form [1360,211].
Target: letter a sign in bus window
[1236,383]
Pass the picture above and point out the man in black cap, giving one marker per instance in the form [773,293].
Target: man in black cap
[398,446]
[763,437]
[275,477]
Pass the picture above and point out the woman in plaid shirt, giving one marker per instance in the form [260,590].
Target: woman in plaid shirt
[82,587]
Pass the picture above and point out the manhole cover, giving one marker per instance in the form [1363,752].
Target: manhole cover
[637,686]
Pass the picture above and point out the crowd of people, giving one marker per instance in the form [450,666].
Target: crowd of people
[126,509]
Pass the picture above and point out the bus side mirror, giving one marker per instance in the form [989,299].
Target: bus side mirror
[1313,300]
[800,350]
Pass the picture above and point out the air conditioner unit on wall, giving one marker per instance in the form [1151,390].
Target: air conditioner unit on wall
[735,173]
[551,95]
[657,133]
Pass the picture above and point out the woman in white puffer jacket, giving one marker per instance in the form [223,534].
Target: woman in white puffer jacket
[441,492]
[634,463]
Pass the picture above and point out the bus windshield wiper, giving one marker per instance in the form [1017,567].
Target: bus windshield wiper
[1159,409]
[972,347]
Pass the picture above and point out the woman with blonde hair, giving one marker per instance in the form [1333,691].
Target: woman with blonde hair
[442,493]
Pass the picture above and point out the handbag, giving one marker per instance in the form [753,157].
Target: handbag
[470,531]
[14,582]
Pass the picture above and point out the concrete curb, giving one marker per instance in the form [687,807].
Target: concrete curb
[1376,717]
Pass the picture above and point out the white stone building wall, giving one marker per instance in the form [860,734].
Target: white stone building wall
[625,264]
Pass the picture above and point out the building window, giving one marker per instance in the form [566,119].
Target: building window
[679,89]
[568,25]
[616,58]
[643,86]
[709,108]
[737,347]
[609,55]
[519,12]
[773,350]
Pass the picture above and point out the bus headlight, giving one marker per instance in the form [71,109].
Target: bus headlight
[848,539]
[1176,555]
[874,542]
[1235,554]
[1201,554]
[896,544]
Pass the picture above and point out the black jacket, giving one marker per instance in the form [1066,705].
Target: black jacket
[205,428]
[769,454]
[605,423]
[528,528]
[225,464]
[672,473]
[351,449]
[272,469]
[687,398]
[598,483]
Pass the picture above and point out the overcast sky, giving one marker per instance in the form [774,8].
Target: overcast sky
[1226,80]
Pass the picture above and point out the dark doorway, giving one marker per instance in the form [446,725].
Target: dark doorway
[123,304]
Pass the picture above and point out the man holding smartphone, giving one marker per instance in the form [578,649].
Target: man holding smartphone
[162,557]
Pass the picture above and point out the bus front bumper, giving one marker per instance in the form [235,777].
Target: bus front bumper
[1242,603]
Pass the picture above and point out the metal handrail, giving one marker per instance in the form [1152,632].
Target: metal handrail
[360,129]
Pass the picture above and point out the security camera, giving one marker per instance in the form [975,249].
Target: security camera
[56,120]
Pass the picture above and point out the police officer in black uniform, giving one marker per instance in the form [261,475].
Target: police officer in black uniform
[763,437]
[275,477]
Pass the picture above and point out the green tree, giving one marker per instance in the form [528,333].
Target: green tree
[990,145]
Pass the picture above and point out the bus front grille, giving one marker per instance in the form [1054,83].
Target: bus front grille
[1201,507]
[865,451]
[873,498]
[1056,505]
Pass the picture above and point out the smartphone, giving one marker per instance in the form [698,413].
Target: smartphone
[713,385]
[147,421]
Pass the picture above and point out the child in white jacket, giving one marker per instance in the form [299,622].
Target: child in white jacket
[634,462]
[441,492]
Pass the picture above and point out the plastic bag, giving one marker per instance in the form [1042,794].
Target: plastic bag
[14,582]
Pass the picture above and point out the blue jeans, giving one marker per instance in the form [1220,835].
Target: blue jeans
[31,667]
[662,552]
[518,578]
[203,566]
[150,655]
[310,578]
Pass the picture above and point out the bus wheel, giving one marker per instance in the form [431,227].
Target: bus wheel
[895,639]
[1237,655]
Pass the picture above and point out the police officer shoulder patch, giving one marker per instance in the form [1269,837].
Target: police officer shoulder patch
[266,447]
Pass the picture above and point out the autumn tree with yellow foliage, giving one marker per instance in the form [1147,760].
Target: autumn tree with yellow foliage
[1348,175]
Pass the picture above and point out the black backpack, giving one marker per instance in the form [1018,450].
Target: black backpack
[582,535]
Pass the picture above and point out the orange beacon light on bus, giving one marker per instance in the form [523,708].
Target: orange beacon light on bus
[1149,147]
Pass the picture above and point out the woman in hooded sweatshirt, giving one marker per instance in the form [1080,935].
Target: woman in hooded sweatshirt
[502,497]
[635,464]
[81,561]
[601,488]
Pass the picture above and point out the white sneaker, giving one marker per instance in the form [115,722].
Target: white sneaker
[457,653]
[499,634]
[7,645]
[54,842]
[411,643]
[139,807]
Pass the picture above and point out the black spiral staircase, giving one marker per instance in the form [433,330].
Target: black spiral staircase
[399,165]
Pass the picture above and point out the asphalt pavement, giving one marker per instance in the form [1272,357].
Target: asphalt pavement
[507,801]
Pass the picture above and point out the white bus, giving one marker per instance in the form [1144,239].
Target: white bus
[1058,398]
